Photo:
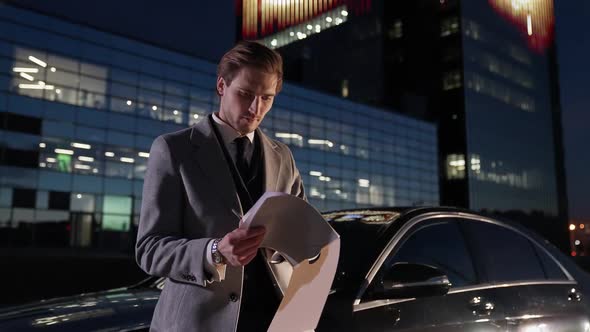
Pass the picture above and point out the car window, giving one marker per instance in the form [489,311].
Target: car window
[441,245]
[504,254]
[552,270]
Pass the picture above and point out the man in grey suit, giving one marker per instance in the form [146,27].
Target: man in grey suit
[199,183]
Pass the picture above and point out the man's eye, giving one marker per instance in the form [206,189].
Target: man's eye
[245,94]
[266,98]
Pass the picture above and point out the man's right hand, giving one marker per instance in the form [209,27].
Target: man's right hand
[239,246]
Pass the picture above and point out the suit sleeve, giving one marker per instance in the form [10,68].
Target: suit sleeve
[161,248]
[297,187]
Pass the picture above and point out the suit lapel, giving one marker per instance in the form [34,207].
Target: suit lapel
[272,162]
[209,157]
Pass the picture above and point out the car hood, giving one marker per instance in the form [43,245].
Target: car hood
[117,309]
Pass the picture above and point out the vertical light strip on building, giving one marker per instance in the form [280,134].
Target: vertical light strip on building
[283,3]
[534,18]
[261,18]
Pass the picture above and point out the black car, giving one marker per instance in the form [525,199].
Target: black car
[414,269]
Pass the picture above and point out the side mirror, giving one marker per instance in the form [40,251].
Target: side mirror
[407,280]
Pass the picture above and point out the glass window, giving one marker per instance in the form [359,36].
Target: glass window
[117,204]
[150,104]
[140,167]
[552,270]
[151,83]
[119,186]
[91,99]
[122,105]
[119,169]
[64,95]
[442,245]
[93,70]
[57,111]
[52,216]
[63,78]
[124,91]
[111,222]
[21,123]
[54,180]
[42,199]
[121,139]
[6,197]
[23,197]
[87,183]
[82,202]
[172,115]
[19,141]
[58,129]
[121,122]
[62,63]
[59,200]
[93,84]
[92,117]
[90,134]
[143,142]
[5,217]
[124,76]
[18,176]
[23,216]
[499,248]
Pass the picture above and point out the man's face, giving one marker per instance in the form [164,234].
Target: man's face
[248,98]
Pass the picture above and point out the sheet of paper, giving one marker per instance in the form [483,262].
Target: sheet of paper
[309,244]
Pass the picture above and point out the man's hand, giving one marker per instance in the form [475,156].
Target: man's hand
[240,245]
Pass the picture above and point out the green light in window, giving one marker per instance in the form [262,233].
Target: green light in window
[64,163]
[112,222]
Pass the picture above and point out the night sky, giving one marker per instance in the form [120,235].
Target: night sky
[207,28]
[573,41]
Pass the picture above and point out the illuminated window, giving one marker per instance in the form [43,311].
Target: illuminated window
[449,26]
[305,29]
[452,80]
[117,213]
[496,90]
[345,88]
[82,202]
[455,166]
[396,30]
[57,78]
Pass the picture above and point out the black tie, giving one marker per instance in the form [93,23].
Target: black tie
[241,161]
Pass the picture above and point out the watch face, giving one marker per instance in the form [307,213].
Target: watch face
[217,258]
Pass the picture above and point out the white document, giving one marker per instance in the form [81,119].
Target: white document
[311,248]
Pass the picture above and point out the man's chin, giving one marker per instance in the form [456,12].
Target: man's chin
[248,128]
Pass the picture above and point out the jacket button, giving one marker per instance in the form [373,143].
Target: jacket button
[233,297]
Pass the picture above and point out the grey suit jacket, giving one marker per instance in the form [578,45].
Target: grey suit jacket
[188,198]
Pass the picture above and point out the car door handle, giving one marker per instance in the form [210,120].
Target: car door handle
[480,306]
[574,295]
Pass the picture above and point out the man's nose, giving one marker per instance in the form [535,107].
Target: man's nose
[255,105]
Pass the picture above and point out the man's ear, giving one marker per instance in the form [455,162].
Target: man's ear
[220,86]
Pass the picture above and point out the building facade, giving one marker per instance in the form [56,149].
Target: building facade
[79,109]
[484,70]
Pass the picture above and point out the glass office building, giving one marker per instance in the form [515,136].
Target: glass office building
[483,70]
[79,109]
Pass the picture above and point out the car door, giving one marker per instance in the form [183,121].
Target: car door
[537,293]
[437,241]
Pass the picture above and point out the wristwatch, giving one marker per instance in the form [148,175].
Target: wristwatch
[215,254]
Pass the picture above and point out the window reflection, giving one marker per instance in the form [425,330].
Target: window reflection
[501,92]
[57,78]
